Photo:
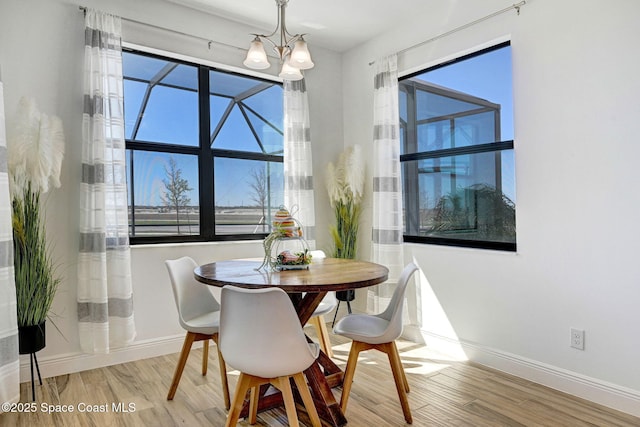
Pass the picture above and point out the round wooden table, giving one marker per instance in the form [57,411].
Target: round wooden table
[306,288]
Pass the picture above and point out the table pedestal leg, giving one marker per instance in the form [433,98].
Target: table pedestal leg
[328,409]
[322,376]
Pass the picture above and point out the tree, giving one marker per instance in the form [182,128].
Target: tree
[258,184]
[480,211]
[176,189]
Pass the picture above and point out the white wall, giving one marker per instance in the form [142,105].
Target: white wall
[41,54]
[575,70]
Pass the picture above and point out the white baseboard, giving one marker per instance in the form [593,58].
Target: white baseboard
[601,392]
[76,362]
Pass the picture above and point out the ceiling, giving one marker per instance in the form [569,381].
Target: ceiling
[338,25]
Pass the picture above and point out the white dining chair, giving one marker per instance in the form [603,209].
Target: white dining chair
[261,336]
[378,332]
[199,315]
[328,303]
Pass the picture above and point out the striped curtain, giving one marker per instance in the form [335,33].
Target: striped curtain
[105,297]
[387,185]
[9,363]
[298,171]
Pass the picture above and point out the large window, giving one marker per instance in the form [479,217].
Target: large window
[456,133]
[204,151]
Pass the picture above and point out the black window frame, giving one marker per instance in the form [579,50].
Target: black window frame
[206,155]
[494,147]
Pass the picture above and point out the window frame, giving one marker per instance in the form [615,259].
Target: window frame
[492,147]
[206,157]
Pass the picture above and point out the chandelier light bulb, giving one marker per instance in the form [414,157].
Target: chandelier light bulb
[300,56]
[290,72]
[256,56]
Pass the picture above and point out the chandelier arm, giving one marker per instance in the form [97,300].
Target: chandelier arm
[286,38]
[265,38]
[280,26]
[284,33]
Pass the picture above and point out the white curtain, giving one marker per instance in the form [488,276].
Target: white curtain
[9,362]
[387,185]
[105,298]
[298,171]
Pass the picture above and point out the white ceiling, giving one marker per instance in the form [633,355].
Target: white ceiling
[337,25]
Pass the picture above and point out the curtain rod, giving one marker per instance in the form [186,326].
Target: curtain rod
[515,6]
[146,24]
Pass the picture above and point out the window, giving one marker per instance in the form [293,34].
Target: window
[456,134]
[204,151]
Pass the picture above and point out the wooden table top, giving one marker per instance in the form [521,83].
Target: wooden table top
[323,275]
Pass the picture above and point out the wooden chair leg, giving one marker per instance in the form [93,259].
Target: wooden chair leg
[244,381]
[399,378]
[323,335]
[184,354]
[253,404]
[404,375]
[223,375]
[303,389]
[356,348]
[205,356]
[283,384]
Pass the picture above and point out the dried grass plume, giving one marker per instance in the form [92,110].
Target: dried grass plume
[35,149]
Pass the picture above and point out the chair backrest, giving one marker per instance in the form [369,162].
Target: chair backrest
[192,298]
[260,333]
[393,312]
[317,254]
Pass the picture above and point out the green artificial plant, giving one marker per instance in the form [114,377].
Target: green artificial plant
[35,279]
[35,148]
[345,184]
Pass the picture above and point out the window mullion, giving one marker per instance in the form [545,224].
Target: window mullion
[410,170]
[459,151]
[205,158]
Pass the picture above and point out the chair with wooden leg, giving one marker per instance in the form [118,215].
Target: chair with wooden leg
[261,336]
[199,315]
[378,332]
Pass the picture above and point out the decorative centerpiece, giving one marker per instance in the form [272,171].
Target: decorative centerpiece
[284,247]
[285,224]
[293,261]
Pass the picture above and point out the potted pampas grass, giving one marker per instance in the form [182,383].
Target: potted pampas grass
[35,148]
[345,184]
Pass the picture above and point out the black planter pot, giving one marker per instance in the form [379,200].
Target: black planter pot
[349,295]
[346,296]
[31,338]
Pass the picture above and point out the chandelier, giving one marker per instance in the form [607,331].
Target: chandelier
[291,49]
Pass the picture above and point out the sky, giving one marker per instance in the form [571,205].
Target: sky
[487,76]
[171,117]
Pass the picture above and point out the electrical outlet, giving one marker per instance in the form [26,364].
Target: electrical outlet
[577,338]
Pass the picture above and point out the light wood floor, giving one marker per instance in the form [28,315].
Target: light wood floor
[443,393]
